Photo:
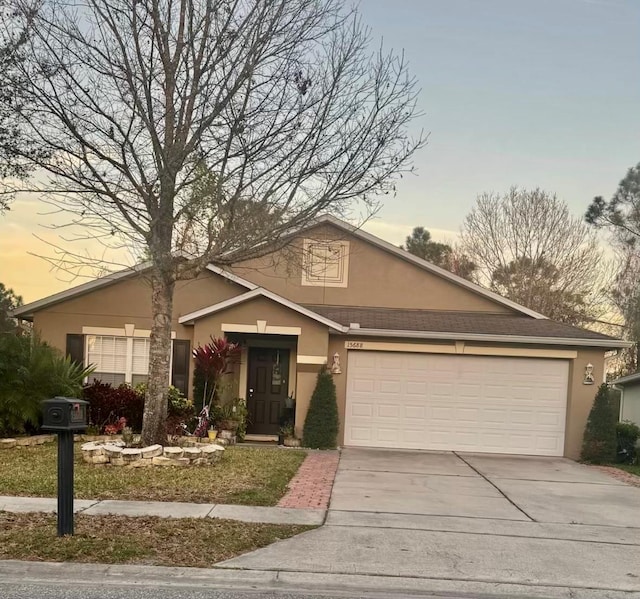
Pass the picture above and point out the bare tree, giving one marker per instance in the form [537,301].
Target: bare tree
[278,105]
[529,248]
[620,217]
[15,23]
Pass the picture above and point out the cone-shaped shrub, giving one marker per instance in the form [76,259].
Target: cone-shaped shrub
[321,425]
[599,444]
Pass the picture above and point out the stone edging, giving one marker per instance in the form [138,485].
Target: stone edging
[115,453]
[26,441]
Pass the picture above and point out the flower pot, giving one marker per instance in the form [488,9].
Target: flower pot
[212,434]
[291,442]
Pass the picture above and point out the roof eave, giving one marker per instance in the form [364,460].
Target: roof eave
[189,319]
[26,312]
[626,380]
[490,338]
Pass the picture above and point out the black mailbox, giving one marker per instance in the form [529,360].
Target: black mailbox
[64,414]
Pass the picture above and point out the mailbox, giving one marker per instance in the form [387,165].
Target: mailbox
[64,414]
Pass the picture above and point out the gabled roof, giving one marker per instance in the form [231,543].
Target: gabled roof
[432,268]
[260,292]
[26,311]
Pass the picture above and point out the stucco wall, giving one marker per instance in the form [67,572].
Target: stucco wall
[129,302]
[376,278]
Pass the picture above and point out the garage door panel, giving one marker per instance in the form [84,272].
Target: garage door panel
[450,402]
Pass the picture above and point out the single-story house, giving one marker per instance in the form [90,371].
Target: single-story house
[629,397]
[421,358]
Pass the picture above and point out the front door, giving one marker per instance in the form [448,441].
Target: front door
[268,385]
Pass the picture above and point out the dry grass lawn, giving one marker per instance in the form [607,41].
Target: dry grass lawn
[245,475]
[124,540]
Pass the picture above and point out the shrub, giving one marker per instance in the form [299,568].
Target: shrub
[599,444]
[321,424]
[179,411]
[232,415]
[108,404]
[627,434]
[30,371]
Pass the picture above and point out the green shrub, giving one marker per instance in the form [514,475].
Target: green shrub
[599,444]
[30,371]
[321,424]
[627,434]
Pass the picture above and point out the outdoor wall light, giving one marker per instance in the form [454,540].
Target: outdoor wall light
[335,366]
[588,375]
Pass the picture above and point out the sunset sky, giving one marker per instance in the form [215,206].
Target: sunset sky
[514,92]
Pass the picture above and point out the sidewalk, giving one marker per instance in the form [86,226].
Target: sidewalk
[167,509]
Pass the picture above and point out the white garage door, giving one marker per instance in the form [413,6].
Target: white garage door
[452,402]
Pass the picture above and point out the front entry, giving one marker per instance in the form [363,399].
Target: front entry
[267,389]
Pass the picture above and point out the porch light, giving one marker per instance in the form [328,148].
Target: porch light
[335,366]
[588,375]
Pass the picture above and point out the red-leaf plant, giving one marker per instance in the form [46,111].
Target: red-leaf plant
[212,362]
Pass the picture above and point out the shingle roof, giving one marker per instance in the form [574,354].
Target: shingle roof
[481,323]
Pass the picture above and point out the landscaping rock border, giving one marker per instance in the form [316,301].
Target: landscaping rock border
[115,453]
[26,441]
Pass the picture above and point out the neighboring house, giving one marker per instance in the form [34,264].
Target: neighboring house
[629,397]
[422,359]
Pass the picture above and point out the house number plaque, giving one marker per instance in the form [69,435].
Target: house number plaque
[354,344]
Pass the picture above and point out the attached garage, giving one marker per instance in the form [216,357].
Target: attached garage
[456,402]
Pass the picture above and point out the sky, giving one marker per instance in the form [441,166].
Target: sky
[533,93]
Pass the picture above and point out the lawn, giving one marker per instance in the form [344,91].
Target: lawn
[245,475]
[125,540]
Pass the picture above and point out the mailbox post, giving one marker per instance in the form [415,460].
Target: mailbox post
[65,416]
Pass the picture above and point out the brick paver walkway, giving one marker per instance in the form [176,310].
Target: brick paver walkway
[311,486]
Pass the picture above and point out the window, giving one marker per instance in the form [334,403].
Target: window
[118,359]
[325,263]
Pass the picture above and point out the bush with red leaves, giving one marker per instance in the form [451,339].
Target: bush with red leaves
[108,404]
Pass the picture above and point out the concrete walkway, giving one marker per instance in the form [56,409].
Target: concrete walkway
[167,509]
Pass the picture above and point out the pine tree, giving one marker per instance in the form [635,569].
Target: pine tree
[321,425]
[599,444]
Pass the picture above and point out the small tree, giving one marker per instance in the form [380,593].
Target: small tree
[321,424]
[599,444]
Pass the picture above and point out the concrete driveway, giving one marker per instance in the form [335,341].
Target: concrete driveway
[486,522]
[482,486]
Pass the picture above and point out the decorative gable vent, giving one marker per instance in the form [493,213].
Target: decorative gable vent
[325,263]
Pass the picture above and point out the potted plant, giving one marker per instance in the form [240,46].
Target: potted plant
[212,433]
[288,434]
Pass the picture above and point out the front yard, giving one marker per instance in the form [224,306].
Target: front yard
[123,540]
[245,475]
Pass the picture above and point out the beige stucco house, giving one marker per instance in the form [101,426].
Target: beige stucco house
[422,359]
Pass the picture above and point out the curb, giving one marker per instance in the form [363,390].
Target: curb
[71,574]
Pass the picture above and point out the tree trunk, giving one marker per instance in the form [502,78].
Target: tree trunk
[155,405]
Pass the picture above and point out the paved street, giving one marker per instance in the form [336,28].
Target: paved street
[492,520]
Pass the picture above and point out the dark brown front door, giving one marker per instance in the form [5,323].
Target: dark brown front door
[268,385]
